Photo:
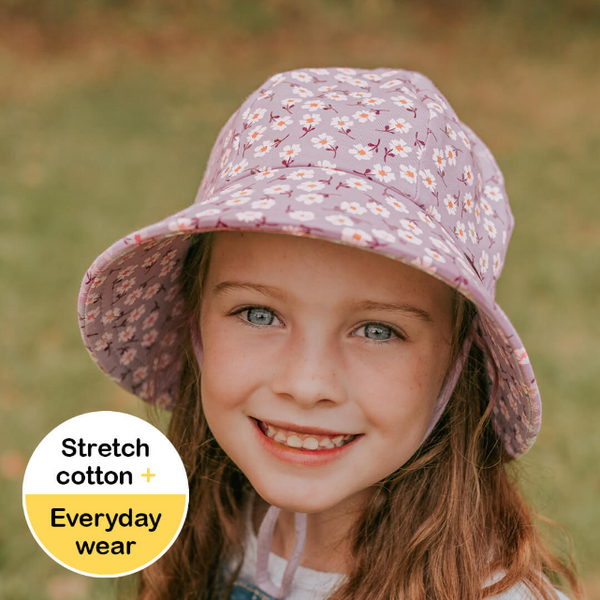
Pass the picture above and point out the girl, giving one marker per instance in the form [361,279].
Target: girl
[346,411]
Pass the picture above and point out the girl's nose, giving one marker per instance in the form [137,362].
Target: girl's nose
[310,370]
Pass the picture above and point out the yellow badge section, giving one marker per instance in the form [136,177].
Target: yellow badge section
[105,534]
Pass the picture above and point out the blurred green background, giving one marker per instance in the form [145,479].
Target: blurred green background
[108,111]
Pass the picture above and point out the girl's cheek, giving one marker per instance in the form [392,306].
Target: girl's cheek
[221,389]
[230,371]
[405,396]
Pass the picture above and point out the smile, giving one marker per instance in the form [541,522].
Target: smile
[296,449]
[304,441]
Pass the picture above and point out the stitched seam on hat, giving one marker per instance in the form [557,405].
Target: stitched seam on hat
[357,175]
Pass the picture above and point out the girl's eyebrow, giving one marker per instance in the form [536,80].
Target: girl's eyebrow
[364,305]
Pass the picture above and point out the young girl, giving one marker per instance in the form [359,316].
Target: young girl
[346,411]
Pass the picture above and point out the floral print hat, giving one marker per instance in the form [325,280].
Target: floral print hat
[375,159]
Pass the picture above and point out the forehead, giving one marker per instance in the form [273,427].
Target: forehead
[306,266]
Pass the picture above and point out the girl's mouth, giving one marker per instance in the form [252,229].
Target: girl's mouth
[304,442]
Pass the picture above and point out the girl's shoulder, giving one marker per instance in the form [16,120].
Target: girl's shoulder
[521,592]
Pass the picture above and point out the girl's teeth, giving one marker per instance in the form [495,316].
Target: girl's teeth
[309,443]
[294,441]
[279,437]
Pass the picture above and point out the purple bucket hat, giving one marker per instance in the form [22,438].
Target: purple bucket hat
[375,159]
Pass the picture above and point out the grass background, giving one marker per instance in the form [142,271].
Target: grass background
[108,111]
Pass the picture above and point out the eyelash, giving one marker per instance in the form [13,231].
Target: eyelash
[399,336]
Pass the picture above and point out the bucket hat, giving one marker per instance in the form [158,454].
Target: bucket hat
[372,158]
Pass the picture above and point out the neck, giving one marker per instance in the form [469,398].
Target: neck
[327,547]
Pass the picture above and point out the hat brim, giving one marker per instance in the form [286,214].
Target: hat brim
[131,292]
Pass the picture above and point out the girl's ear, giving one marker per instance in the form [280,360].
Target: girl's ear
[196,338]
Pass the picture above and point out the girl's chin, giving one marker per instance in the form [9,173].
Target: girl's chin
[302,499]
[271,494]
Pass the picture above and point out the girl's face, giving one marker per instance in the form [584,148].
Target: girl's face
[292,334]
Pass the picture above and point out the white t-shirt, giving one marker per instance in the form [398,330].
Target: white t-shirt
[309,584]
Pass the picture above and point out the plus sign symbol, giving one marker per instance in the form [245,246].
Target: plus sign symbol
[147,475]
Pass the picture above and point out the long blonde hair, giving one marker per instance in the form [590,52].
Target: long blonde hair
[436,528]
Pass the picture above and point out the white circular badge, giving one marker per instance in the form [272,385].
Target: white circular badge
[105,494]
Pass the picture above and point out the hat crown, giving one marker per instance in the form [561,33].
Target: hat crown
[387,127]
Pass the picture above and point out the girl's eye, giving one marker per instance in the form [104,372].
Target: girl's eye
[378,328]
[258,316]
[261,316]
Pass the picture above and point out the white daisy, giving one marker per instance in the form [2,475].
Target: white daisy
[301,174]
[450,202]
[356,236]
[386,236]
[409,173]
[383,173]
[353,208]
[277,189]
[493,193]
[358,183]
[410,225]
[435,255]
[460,231]
[428,179]
[302,215]
[491,228]
[248,216]
[409,236]
[291,151]
[472,232]
[364,116]
[309,120]
[323,141]
[400,125]
[313,105]
[340,220]
[361,152]
[377,209]
[399,147]
[396,204]
[310,198]
[311,186]
[281,123]
[483,261]
[342,122]
[497,264]
[255,134]
[438,159]
[402,101]
[264,203]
